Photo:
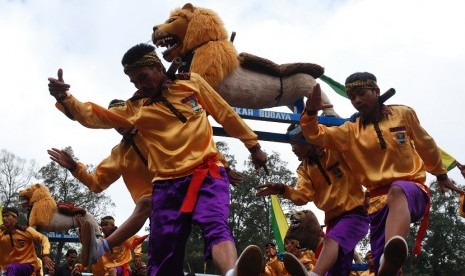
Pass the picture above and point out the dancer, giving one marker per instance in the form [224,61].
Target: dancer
[325,179]
[17,246]
[70,260]
[273,266]
[128,160]
[297,259]
[190,185]
[387,148]
[116,261]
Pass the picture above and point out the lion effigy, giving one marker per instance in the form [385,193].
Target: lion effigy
[44,214]
[306,229]
[199,38]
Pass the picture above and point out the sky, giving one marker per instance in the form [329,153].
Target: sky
[416,47]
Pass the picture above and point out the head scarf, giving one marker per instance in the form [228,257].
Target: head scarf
[361,84]
[149,59]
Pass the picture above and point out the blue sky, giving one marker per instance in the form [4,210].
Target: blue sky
[414,46]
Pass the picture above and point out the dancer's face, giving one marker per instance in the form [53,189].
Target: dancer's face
[9,220]
[147,79]
[291,247]
[305,150]
[270,251]
[365,101]
[107,228]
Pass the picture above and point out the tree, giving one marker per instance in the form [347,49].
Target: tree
[444,242]
[15,173]
[65,188]
[250,216]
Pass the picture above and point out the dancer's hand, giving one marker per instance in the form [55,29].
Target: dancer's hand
[48,262]
[57,87]
[314,102]
[461,168]
[63,158]
[259,158]
[445,183]
[270,188]
[235,177]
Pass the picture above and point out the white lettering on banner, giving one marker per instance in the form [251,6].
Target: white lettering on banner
[274,115]
[243,111]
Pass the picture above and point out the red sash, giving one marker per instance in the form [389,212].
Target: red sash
[126,270]
[208,166]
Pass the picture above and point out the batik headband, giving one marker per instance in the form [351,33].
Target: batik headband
[149,59]
[107,220]
[13,213]
[361,84]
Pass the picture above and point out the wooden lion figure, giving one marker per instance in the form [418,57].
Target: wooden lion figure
[306,229]
[199,38]
[44,214]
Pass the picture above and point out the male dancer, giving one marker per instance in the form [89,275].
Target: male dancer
[190,185]
[17,246]
[116,261]
[389,151]
[325,179]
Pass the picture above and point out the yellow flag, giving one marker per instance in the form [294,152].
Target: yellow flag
[447,160]
[279,222]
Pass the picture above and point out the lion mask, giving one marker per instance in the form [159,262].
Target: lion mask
[305,228]
[43,206]
[200,30]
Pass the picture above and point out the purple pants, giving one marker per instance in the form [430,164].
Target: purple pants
[417,200]
[170,229]
[119,271]
[16,269]
[347,230]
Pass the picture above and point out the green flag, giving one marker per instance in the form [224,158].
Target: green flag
[337,87]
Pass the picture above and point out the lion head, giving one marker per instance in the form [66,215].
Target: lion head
[186,29]
[304,228]
[43,206]
[192,28]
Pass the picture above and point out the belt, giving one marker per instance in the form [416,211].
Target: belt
[208,166]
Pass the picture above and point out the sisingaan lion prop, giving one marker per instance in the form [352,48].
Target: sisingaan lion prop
[44,214]
[199,38]
[306,229]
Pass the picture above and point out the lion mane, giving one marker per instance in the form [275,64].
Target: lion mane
[200,30]
[41,202]
[304,228]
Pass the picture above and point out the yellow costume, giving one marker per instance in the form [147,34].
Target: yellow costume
[274,267]
[333,188]
[307,258]
[119,255]
[404,153]
[122,162]
[172,151]
[23,249]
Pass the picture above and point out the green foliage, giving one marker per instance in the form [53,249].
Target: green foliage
[15,173]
